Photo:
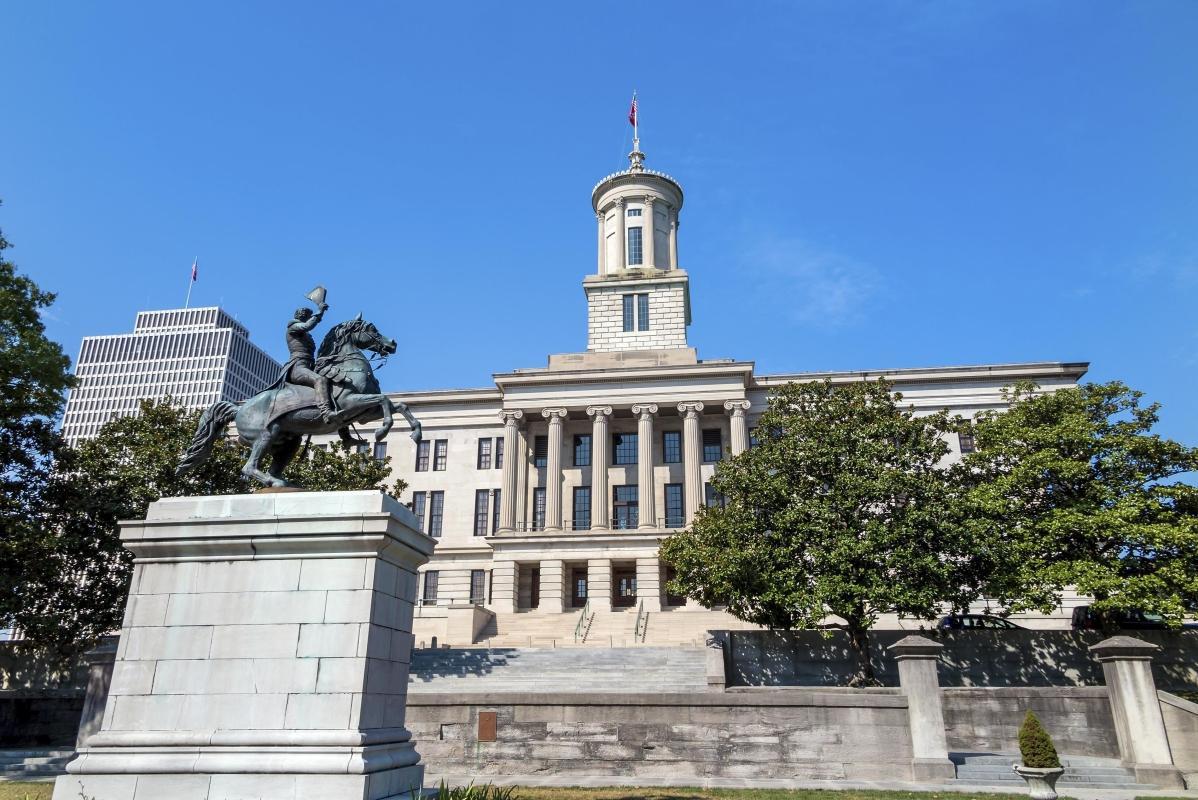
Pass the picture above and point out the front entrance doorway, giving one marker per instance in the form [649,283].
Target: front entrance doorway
[534,590]
[578,587]
[623,580]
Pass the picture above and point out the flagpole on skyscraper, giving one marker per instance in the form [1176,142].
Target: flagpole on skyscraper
[195,267]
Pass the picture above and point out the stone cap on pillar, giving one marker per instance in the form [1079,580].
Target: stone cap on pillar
[915,647]
[1124,648]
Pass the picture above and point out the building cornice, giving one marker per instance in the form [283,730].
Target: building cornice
[545,377]
[1072,370]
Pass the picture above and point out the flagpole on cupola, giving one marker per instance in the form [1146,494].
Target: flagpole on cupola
[636,157]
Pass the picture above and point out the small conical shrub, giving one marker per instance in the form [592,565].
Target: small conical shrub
[1035,745]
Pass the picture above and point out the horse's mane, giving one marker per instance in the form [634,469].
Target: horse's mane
[332,340]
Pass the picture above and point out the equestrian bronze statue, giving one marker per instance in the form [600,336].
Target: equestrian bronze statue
[316,394]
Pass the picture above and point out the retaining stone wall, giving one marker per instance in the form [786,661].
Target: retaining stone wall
[41,697]
[987,720]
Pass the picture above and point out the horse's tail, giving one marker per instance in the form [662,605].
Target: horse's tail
[212,422]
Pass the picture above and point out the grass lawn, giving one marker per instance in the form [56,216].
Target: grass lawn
[42,791]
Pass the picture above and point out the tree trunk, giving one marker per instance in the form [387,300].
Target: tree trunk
[859,641]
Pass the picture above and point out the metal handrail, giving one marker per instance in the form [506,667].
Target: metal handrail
[582,618]
[642,623]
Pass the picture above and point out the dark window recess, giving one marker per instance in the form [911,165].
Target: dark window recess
[430,587]
[440,454]
[499,452]
[713,448]
[968,443]
[482,502]
[422,450]
[495,506]
[540,451]
[642,312]
[538,508]
[623,448]
[635,257]
[436,513]
[671,447]
[478,586]
[753,440]
[625,507]
[582,450]
[380,451]
[484,453]
[418,502]
[629,313]
[582,508]
[674,509]
[712,498]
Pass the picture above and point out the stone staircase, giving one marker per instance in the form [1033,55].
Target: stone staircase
[617,628]
[564,669]
[33,764]
[1081,772]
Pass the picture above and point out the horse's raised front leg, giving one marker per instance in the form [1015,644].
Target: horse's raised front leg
[417,433]
[388,419]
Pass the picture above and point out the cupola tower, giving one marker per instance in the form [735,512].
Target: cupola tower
[638,299]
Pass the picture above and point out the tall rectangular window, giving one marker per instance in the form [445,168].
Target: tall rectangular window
[634,247]
[436,513]
[422,450]
[642,312]
[499,452]
[440,455]
[484,453]
[482,502]
[429,596]
[418,503]
[624,507]
[968,443]
[380,451]
[540,451]
[495,506]
[713,448]
[538,508]
[753,440]
[582,508]
[629,312]
[712,498]
[671,447]
[675,517]
[478,586]
[582,450]
[623,448]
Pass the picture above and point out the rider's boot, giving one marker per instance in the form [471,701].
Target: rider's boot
[323,400]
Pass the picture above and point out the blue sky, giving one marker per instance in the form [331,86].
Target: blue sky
[868,185]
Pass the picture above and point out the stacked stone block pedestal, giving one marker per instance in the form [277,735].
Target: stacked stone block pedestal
[264,653]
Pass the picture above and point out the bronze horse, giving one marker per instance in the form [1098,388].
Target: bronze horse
[277,419]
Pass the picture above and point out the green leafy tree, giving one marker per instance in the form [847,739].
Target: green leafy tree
[75,572]
[840,508]
[1072,488]
[33,374]
[341,468]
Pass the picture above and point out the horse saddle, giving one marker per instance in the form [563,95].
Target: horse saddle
[293,397]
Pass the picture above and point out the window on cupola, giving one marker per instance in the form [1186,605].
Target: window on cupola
[634,247]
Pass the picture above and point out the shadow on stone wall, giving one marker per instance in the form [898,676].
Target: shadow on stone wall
[41,696]
[970,658]
[428,664]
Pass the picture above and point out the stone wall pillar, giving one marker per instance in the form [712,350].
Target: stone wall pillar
[504,591]
[553,469]
[264,652]
[648,583]
[739,425]
[622,234]
[917,660]
[1139,724]
[600,502]
[599,584]
[511,463]
[650,260]
[692,458]
[553,586]
[602,242]
[100,661]
[646,491]
[673,212]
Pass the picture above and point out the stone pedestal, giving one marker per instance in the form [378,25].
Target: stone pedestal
[264,653]
[917,660]
[1139,724]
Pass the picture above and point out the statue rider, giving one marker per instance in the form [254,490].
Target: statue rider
[302,347]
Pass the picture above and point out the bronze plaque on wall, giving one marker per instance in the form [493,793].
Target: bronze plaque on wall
[487,723]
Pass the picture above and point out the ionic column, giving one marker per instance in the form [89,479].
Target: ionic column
[622,250]
[511,457]
[602,249]
[673,238]
[552,588]
[553,469]
[648,583]
[646,507]
[740,429]
[692,450]
[600,502]
[647,233]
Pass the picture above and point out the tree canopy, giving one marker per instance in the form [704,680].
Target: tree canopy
[841,507]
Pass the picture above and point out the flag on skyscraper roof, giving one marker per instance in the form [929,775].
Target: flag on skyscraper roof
[632,111]
[195,269]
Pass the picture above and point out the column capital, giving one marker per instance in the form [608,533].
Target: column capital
[691,410]
[649,200]
[737,408]
[595,412]
[644,410]
[599,216]
[620,202]
[554,415]
[511,416]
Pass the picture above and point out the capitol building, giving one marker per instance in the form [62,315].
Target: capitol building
[550,492]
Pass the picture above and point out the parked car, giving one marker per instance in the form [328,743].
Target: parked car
[973,621]
[1086,618]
